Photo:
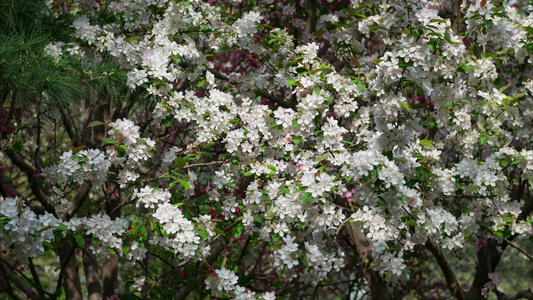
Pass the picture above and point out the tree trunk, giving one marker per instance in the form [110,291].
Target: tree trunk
[457,23]
[71,281]
[110,274]
[442,260]
[378,288]
[110,264]
[310,10]
[90,266]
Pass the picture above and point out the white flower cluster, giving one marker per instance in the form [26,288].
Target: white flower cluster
[227,281]
[137,150]
[317,183]
[23,231]
[183,238]
[485,176]
[125,130]
[169,157]
[353,135]
[54,50]
[135,253]
[102,227]
[84,30]
[380,230]
[392,265]
[435,220]
[321,262]
[308,51]
[86,165]
[247,23]
[287,255]
[151,197]
[137,78]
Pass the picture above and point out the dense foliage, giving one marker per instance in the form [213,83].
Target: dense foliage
[266,149]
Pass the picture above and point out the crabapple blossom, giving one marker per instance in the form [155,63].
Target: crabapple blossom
[263,149]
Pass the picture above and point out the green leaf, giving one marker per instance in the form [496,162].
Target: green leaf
[185,184]
[508,219]
[472,188]
[295,122]
[61,227]
[321,158]
[319,32]
[304,261]
[48,245]
[237,230]
[292,82]
[167,121]
[306,197]
[411,222]
[361,86]
[296,141]
[272,168]
[95,123]
[467,68]
[180,163]
[78,149]
[426,143]
[507,233]
[503,88]
[529,29]
[220,232]
[301,189]
[405,105]
[203,235]
[109,141]
[259,219]
[80,240]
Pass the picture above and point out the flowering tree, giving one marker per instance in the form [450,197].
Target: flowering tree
[263,149]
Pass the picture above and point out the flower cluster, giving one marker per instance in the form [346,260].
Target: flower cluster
[22,230]
[227,281]
[86,165]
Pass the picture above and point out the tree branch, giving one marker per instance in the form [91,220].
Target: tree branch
[451,281]
[36,279]
[19,283]
[279,101]
[80,197]
[71,133]
[31,170]
[90,266]
[310,10]
[357,238]
[72,283]
[456,17]
[488,259]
